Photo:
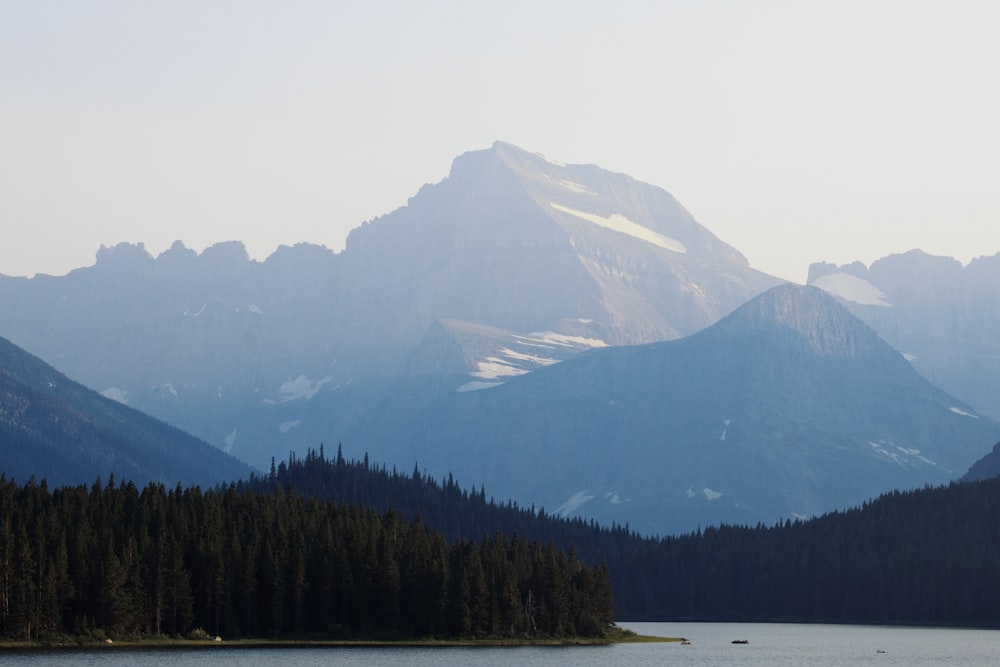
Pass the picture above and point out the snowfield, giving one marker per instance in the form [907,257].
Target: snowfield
[116,394]
[573,504]
[853,289]
[617,222]
[298,388]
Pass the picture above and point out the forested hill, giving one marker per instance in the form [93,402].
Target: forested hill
[455,511]
[116,561]
[930,556]
[926,557]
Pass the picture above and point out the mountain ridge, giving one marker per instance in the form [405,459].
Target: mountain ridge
[942,315]
[738,423]
[259,358]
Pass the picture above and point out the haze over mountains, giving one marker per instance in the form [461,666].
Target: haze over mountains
[790,406]
[520,260]
[944,317]
[562,334]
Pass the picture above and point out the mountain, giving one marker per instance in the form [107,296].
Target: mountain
[788,407]
[942,315]
[511,263]
[987,467]
[514,240]
[55,429]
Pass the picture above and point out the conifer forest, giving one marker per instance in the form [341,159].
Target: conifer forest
[123,562]
[329,548]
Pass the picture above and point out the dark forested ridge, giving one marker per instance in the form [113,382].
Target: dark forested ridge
[121,561]
[459,513]
[930,556]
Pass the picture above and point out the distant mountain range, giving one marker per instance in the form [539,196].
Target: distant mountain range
[567,336]
[943,316]
[55,429]
[790,406]
[511,263]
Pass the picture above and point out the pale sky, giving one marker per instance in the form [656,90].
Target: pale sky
[796,131]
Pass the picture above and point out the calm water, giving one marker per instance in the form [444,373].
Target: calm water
[711,644]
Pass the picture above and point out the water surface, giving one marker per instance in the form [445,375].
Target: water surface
[711,644]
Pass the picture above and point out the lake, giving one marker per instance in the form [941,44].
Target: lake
[711,644]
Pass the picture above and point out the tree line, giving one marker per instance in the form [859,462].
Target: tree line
[114,560]
[927,556]
[292,553]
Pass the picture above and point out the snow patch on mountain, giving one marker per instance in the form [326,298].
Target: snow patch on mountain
[574,503]
[230,440]
[576,187]
[916,453]
[476,385]
[708,493]
[853,289]
[521,356]
[116,394]
[617,222]
[554,163]
[903,456]
[725,428]
[909,357]
[255,309]
[188,313]
[170,387]
[512,360]
[960,411]
[613,498]
[492,368]
[544,338]
[298,388]
[880,449]
[285,427]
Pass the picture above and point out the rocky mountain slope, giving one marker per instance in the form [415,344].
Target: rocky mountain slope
[987,467]
[55,429]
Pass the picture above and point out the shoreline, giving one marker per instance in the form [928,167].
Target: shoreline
[70,644]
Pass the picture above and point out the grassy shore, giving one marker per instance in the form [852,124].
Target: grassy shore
[616,636]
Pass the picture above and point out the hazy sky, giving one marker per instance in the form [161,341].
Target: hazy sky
[796,131]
